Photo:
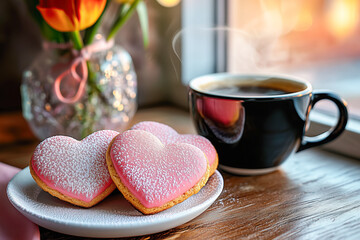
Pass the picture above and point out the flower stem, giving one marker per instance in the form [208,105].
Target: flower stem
[91,31]
[87,113]
[77,40]
[122,18]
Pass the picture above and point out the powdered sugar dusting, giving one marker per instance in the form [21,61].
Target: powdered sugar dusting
[165,133]
[168,135]
[156,173]
[75,168]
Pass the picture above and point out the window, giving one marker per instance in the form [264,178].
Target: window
[318,40]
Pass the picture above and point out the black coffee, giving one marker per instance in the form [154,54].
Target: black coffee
[247,91]
[251,87]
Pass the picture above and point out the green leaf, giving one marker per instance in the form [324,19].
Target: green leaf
[125,12]
[124,8]
[144,23]
[91,31]
[51,34]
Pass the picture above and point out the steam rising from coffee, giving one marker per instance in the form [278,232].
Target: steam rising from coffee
[202,50]
[253,46]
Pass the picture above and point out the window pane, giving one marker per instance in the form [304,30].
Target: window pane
[316,39]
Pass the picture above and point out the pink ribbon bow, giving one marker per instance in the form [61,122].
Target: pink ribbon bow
[79,61]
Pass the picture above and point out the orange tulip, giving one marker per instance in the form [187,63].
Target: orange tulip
[71,15]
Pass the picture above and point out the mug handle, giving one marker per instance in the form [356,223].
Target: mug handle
[331,134]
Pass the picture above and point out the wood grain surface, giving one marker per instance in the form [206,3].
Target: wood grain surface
[314,195]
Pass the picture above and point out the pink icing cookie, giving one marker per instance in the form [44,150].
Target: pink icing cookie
[74,171]
[168,135]
[153,176]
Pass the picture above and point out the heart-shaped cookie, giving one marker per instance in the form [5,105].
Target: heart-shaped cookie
[168,135]
[153,176]
[74,171]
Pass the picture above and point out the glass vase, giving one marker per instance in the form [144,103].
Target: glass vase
[108,100]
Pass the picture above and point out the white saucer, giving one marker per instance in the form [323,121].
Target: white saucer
[113,217]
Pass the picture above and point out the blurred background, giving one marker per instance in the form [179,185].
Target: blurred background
[21,42]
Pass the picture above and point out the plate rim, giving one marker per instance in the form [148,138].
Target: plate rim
[192,212]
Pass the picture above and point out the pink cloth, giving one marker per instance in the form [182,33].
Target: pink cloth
[13,225]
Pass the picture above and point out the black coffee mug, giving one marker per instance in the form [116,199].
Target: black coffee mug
[257,121]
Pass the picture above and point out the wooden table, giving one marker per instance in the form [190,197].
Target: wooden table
[315,195]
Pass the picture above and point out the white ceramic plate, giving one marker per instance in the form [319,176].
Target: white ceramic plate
[113,217]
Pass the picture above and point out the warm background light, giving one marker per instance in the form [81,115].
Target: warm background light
[168,3]
[279,16]
[307,10]
[342,17]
